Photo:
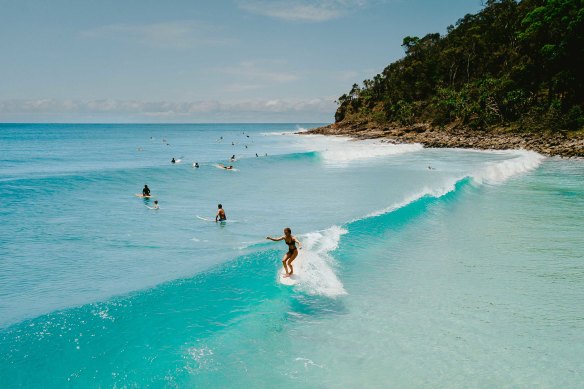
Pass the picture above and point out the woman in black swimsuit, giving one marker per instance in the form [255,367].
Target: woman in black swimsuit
[292,250]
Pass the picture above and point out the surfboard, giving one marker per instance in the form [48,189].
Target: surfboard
[223,168]
[142,196]
[155,209]
[208,219]
[288,281]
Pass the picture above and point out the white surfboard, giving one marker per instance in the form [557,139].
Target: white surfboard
[208,219]
[288,281]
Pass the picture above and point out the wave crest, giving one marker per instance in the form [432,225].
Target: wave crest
[498,172]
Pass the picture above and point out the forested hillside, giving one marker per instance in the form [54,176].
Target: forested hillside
[518,65]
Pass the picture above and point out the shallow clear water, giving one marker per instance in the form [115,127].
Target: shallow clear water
[466,274]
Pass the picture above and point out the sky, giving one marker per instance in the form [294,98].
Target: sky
[200,61]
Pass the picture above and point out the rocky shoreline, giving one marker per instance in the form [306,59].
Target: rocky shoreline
[457,136]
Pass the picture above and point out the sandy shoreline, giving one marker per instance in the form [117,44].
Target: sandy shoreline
[459,137]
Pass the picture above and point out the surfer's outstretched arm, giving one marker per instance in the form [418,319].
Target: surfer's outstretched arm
[274,239]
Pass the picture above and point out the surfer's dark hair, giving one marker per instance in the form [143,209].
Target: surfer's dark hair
[288,229]
[219,206]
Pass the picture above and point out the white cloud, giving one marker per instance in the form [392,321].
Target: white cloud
[301,10]
[183,34]
[319,109]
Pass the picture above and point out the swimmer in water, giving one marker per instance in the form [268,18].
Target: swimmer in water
[292,253]
[156,205]
[220,217]
[146,191]
[196,165]
[173,160]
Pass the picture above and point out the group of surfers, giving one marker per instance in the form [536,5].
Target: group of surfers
[290,240]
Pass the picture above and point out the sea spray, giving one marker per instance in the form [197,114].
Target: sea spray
[318,276]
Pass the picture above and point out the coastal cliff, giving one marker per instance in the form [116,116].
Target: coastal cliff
[510,76]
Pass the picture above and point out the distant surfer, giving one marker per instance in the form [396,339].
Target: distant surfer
[292,253]
[155,206]
[196,165]
[232,159]
[257,155]
[220,217]
[173,160]
[230,167]
[146,191]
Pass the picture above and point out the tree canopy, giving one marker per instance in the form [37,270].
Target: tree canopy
[513,63]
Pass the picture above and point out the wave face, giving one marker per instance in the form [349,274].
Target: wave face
[396,277]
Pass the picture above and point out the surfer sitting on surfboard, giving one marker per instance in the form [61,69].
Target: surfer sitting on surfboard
[292,250]
[146,191]
[220,217]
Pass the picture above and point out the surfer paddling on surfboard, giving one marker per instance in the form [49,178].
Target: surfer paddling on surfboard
[220,217]
[292,253]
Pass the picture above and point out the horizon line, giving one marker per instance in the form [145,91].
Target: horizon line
[164,123]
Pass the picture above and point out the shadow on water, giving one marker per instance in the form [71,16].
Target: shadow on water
[302,305]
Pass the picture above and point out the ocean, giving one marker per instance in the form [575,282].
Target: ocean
[419,268]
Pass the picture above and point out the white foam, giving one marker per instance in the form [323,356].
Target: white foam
[318,276]
[289,132]
[276,133]
[499,172]
[521,162]
[340,151]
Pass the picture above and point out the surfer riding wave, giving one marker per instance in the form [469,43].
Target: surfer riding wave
[292,253]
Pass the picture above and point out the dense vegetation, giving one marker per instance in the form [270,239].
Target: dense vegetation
[518,65]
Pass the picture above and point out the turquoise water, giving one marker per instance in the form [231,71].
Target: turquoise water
[467,274]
